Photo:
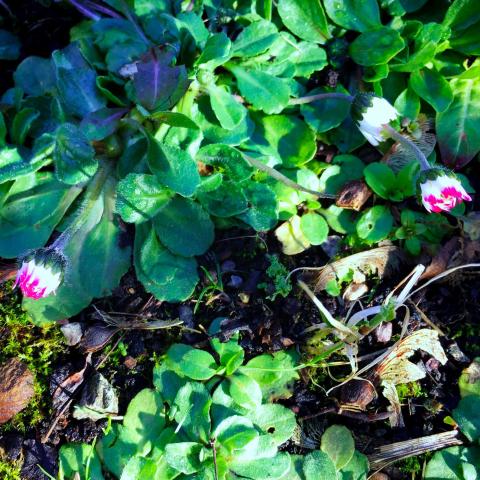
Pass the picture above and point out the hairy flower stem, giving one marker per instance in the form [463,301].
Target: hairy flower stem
[320,96]
[408,144]
[282,178]
[92,193]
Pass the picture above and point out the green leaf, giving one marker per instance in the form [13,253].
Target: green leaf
[76,82]
[408,104]
[344,168]
[469,381]
[450,463]
[387,41]
[103,259]
[28,216]
[144,420]
[35,76]
[352,15]
[265,92]
[230,353]
[356,469]
[184,227]
[288,139]
[9,46]
[305,18]
[191,362]
[21,124]
[225,201]
[274,420]
[246,391]
[216,51]
[338,444]
[230,112]
[314,227]
[318,466]
[184,456]
[167,382]
[156,85]
[73,155]
[74,458]
[274,373]
[308,58]
[192,409]
[255,39]
[235,432]
[102,123]
[459,124]
[292,237]
[466,416]
[325,114]
[262,206]
[138,467]
[174,119]
[263,468]
[140,197]
[174,167]
[381,179]
[169,277]
[432,87]
[339,219]
[375,224]
[227,160]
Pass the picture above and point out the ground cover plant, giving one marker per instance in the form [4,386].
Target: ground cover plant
[337,132]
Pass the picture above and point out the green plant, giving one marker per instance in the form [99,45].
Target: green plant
[462,462]
[278,273]
[212,417]
[38,347]
[216,128]
[10,470]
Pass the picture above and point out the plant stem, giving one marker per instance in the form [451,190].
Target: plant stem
[282,178]
[321,96]
[409,145]
[92,193]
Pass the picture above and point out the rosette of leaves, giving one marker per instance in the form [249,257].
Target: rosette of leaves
[213,417]
[145,119]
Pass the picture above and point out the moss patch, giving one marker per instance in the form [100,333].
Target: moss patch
[37,347]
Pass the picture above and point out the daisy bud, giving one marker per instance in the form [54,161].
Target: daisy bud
[371,113]
[441,190]
[41,273]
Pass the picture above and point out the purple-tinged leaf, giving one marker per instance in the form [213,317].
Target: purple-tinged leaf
[157,85]
[102,123]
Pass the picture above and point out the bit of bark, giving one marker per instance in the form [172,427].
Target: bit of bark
[16,388]
[440,262]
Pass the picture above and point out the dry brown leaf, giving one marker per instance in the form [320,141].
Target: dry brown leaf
[441,261]
[16,388]
[396,368]
[381,261]
[63,393]
[353,195]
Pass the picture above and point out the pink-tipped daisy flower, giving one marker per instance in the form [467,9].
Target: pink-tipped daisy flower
[40,273]
[441,190]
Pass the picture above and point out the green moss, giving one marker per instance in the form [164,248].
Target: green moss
[412,465]
[9,470]
[410,390]
[36,347]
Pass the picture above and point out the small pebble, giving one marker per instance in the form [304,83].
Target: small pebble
[235,281]
[130,362]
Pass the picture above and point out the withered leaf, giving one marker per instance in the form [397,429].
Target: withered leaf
[63,393]
[96,337]
[353,195]
[381,261]
[16,388]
